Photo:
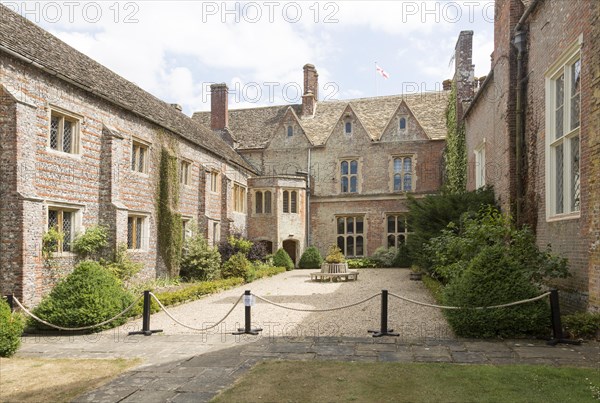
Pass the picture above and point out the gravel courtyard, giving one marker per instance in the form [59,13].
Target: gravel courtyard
[294,289]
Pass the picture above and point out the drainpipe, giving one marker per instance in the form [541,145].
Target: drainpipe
[519,42]
[308,200]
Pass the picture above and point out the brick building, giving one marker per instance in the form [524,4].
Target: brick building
[533,131]
[81,146]
[361,157]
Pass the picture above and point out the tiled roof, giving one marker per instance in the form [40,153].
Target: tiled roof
[253,128]
[26,39]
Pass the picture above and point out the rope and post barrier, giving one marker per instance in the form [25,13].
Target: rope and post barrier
[557,331]
[146,318]
[247,329]
[384,331]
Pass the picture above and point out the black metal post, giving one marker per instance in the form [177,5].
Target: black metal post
[557,332]
[247,329]
[146,318]
[11,302]
[384,331]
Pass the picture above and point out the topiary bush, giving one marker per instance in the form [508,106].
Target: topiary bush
[402,258]
[11,328]
[238,266]
[199,260]
[87,296]
[384,257]
[311,259]
[282,259]
[492,278]
[335,255]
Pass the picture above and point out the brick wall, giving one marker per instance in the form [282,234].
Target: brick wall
[553,28]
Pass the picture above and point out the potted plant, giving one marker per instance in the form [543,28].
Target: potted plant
[415,273]
[335,260]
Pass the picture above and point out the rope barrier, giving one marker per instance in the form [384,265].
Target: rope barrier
[316,310]
[191,327]
[77,328]
[524,301]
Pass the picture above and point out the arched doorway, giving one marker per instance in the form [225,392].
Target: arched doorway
[290,246]
[268,245]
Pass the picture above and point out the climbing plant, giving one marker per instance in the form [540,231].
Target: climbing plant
[169,225]
[455,153]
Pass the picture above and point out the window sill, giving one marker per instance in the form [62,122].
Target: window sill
[564,217]
[63,153]
[63,255]
[137,250]
[141,174]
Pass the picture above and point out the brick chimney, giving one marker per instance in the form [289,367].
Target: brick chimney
[219,111]
[311,90]
[464,73]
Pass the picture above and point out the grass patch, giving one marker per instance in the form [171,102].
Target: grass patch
[434,286]
[285,381]
[55,380]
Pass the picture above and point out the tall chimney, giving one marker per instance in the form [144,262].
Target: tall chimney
[311,90]
[219,111]
[464,73]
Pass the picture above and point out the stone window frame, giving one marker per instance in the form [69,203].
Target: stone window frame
[402,130]
[137,156]
[264,202]
[214,226]
[402,174]
[76,212]
[566,138]
[396,233]
[186,228]
[214,181]
[349,176]
[479,153]
[343,237]
[289,201]
[239,198]
[290,130]
[137,242]
[185,171]
[348,125]
[63,116]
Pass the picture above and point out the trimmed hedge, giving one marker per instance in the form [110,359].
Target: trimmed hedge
[268,271]
[11,328]
[282,259]
[87,296]
[584,325]
[311,259]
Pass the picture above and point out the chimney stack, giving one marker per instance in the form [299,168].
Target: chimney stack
[219,110]
[464,73]
[311,90]
[447,85]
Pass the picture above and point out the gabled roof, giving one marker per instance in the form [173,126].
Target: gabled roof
[253,128]
[22,38]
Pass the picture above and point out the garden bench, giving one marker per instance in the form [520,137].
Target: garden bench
[334,271]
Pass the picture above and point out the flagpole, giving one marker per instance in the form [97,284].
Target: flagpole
[375,78]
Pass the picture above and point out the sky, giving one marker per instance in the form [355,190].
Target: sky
[176,49]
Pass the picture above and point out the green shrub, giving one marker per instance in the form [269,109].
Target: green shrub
[50,241]
[282,259]
[427,217]
[335,255]
[311,259]
[402,258]
[364,263]
[11,328]
[492,278]
[91,242]
[584,325]
[122,267]
[384,257]
[189,292]
[200,261]
[87,296]
[238,266]
[263,270]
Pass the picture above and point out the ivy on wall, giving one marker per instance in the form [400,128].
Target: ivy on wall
[169,225]
[456,153]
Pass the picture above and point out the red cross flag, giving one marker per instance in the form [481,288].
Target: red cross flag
[382,71]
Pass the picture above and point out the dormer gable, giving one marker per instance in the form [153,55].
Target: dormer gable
[403,126]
